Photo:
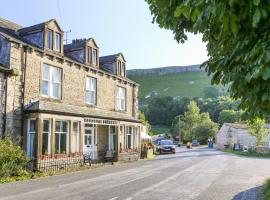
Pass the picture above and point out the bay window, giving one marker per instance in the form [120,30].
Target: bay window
[61,136]
[91,88]
[46,137]
[51,81]
[121,98]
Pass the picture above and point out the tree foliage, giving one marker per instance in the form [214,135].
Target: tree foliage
[237,35]
[229,116]
[194,125]
[256,127]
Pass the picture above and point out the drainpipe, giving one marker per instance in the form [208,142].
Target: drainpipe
[5,110]
[24,55]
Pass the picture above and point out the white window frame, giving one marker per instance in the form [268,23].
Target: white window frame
[91,90]
[31,148]
[57,41]
[77,136]
[49,38]
[60,133]
[51,82]
[49,135]
[121,95]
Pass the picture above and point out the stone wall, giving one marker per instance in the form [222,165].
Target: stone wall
[2,102]
[14,95]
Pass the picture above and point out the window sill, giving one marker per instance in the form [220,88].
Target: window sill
[120,111]
[91,105]
[51,99]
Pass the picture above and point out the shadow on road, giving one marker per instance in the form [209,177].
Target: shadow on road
[250,194]
[190,156]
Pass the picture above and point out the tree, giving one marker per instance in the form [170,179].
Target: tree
[237,36]
[191,119]
[205,129]
[256,127]
[144,121]
[211,92]
[229,116]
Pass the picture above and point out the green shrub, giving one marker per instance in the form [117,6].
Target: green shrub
[12,160]
[266,190]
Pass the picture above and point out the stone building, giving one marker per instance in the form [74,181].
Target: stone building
[65,99]
[230,134]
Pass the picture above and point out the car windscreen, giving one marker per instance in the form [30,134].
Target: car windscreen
[166,142]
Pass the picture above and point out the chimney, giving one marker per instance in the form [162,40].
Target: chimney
[78,41]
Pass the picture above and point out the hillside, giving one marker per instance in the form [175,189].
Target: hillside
[177,84]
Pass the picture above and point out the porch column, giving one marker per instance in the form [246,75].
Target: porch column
[69,136]
[118,138]
[38,139]
[81,133]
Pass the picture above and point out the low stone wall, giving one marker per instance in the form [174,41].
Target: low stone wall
[264,150]
[128,156]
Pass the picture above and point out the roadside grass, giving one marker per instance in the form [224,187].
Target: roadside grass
[247,154]
[266,190]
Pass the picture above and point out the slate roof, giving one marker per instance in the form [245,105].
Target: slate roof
[109,58]
[50,107]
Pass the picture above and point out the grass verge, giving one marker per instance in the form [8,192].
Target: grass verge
[247,154]
[266,190]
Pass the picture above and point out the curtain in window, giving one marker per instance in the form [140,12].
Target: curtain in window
[121,98]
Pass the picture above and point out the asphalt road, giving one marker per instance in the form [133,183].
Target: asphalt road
[189,174]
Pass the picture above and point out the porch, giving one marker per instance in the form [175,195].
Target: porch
[55,141]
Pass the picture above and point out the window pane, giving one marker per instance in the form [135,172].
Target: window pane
[46,125]
[46,72]
[57,126]
[45,143]
[57,41]
[49,39]
[94,56]
[57,148]
[32,126]
[89,55]
[45,88]
[64,125]
[63,143]
[56,74]
[56,90]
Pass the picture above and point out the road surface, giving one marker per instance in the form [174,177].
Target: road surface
[199,173]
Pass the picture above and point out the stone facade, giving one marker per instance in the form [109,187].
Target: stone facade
[230,134]
[27,56]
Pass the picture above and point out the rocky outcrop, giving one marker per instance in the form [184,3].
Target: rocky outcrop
[164,70]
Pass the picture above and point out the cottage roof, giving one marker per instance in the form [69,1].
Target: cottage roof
[236,125]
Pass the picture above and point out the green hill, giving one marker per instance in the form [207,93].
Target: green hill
[184,84]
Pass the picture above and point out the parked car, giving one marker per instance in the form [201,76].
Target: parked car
[166,146]
[195,143]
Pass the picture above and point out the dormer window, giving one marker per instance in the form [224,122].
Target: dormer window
[57,41]
[119,67]
[92,56]
[49,39]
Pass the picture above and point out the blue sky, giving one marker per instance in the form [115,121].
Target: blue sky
[116,25]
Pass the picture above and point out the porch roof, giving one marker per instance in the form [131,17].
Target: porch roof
[63,109]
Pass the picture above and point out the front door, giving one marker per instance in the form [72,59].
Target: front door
[89,140]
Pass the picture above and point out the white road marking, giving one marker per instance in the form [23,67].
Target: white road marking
[113,198]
